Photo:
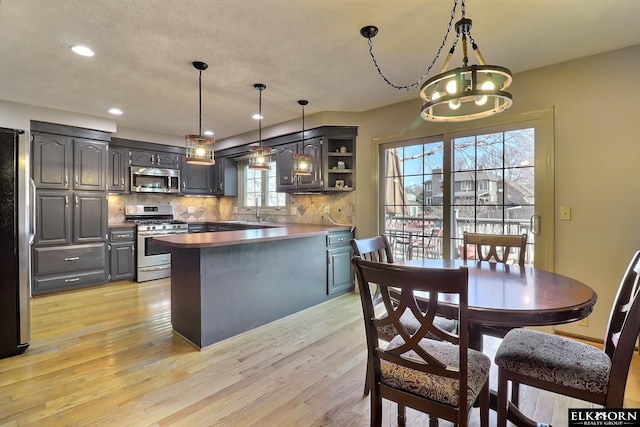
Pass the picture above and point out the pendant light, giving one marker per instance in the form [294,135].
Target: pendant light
[260,158]
[200,147]
[303,164]
[465,93]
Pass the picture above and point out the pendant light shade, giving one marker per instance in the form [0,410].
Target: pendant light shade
[465,93]
[200,147]
[303,164]
[260,158]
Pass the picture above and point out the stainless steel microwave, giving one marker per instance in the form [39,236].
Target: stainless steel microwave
[154,180]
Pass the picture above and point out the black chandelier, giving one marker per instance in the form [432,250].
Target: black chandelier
[465,93]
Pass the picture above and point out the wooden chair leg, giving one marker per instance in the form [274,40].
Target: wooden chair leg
[376,410]
[484,405]
[366,381]
[502,398]
[402,415]
[433,421]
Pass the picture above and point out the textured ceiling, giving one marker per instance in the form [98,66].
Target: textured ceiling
[299,48]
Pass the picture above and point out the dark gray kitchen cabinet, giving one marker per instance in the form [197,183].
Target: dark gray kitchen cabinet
[225,177]
[156,159]
[53,218]
[63,162]
[118,176]
[122,250]
[52,159]
[195,179]
[66,218]
[339,253]
[69,167]
[89,165]
[285,164]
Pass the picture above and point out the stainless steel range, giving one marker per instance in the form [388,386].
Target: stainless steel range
[154,260]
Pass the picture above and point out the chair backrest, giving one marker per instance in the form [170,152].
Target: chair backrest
[486,246]
[373,249]
[397,284]
[622,331]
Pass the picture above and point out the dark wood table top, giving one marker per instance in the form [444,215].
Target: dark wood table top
[510,295]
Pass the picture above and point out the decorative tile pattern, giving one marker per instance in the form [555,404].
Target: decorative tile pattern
[305,208]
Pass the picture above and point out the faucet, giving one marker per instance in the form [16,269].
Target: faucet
[257,210]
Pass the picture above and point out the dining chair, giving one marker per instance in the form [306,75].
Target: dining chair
[443,377]
[495,248]
[562,365]
[378,249]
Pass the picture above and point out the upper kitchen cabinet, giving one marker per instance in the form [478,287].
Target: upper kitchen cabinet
[156,159]
[332,150]
[225,177]
[119,162]
[285,164]
[196,179]
[340,160]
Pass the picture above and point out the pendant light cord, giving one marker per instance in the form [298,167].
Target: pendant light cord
[260,119]
[426,73]
[200,104]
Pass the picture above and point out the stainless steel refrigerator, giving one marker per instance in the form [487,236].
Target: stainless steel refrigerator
[16,235]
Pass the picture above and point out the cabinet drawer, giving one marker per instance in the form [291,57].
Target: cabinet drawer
[68,259]
[69,281]
[122,235]
[338,238]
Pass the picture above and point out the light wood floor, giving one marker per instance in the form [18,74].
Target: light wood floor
[108,356]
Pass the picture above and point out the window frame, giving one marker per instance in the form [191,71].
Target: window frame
[264,187]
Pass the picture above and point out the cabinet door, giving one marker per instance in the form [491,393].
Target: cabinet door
[312,148]
[339,274]
[90,217]
[143,158]
[196,179]
[53,218]
[118,169]
[168,160]
[89,165]
[225,177]
[122,261]
[51,161]
[284,167]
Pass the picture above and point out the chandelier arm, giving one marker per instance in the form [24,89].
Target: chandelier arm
[426,73]
[476,50]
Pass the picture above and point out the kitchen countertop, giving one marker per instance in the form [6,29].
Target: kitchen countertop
[276,231]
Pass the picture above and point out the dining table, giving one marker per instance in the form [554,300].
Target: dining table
[513,296]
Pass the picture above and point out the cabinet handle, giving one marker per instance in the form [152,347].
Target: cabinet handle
[72,258]
[76,179]
[133,249]
[184,185]
[66,201]
[77,204]
[75,279]
[66,179]
[122,181]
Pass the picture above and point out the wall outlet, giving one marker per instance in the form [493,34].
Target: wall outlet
[327,210]
[565,213]
[235,209]
[191,210]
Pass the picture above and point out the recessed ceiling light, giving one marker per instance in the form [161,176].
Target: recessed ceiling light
[115,111]
[208,132]
[82,50]
[257,117]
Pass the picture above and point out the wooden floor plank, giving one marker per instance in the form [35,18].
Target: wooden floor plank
[107,356]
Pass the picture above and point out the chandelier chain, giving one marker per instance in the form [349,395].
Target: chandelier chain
[426,73]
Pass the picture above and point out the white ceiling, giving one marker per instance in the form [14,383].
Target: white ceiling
[301,49]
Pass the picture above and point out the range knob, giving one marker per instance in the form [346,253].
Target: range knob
[164,226]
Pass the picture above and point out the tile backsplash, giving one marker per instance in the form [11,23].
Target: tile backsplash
[304,208]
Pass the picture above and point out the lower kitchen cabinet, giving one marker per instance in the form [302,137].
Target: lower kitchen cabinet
[122,253]
[60,268]
[339,253]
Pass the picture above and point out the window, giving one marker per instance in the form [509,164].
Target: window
[258,188]
[495,180]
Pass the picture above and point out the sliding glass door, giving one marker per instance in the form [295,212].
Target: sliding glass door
[496,180]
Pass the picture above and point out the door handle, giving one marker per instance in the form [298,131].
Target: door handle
[32,231]
[534,224]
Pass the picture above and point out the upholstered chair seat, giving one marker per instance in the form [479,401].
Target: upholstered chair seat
[554,359]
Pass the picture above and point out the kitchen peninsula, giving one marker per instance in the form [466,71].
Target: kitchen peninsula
[225,283]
